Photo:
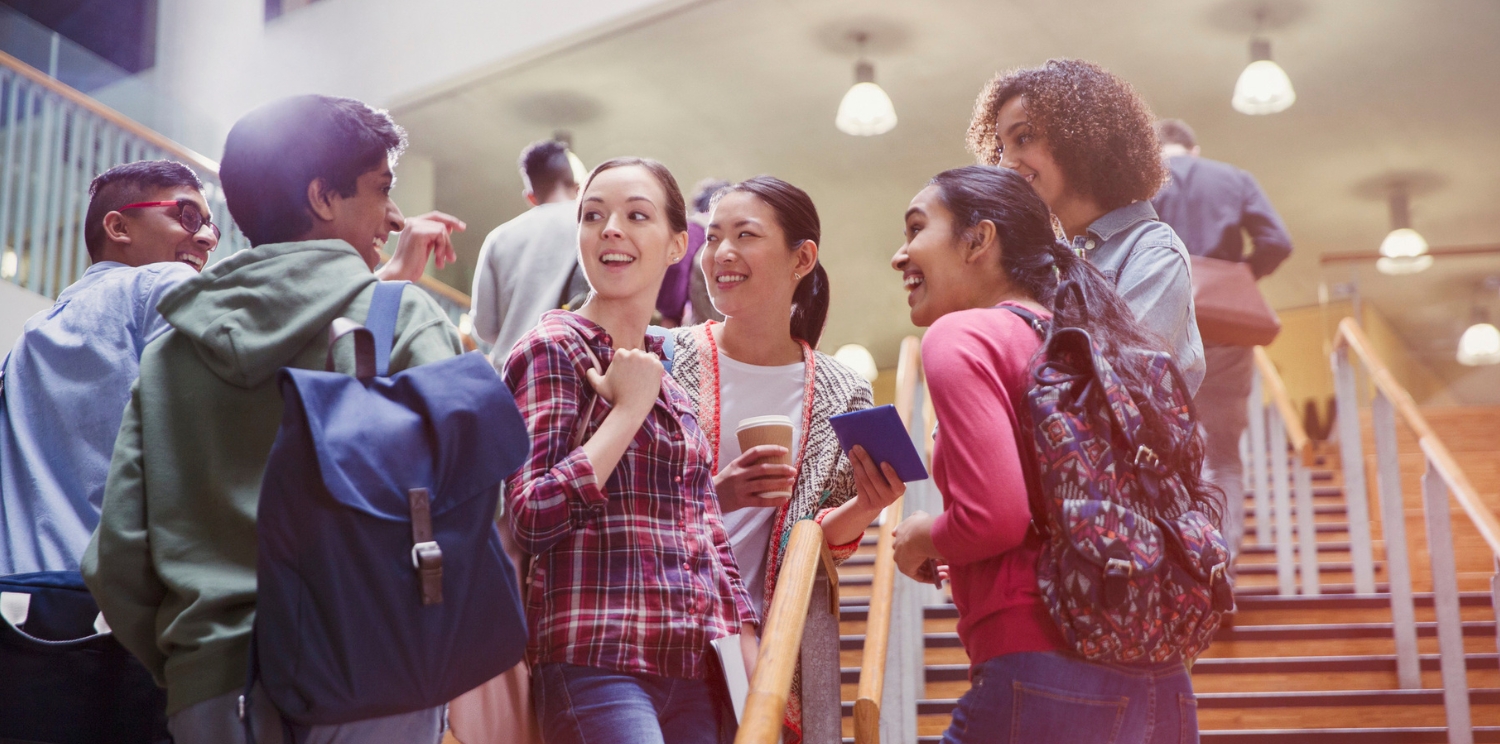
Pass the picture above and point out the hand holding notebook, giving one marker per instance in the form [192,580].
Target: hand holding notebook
[880,432]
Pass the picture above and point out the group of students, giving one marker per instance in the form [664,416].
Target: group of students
[646,529]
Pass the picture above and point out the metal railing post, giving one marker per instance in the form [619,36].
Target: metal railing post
[1259,475]
[1307,529]
[1393,525]
[1445,602]
[1286,572]
[1352,452]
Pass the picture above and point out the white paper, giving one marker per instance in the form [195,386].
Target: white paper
[732,661]
[16,606]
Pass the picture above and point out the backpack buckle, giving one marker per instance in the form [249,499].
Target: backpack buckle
[427,559]
[1144,455]
[1117,573]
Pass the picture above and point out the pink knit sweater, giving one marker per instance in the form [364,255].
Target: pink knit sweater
[976,363]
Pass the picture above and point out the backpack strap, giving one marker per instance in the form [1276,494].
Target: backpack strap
[588,411]
[1031,318]
[381,322]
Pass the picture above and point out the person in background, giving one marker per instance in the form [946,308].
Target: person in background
[684,293]
[172,564]
[1083,139]
[761,254]
[1212,206]
[529,265]
[632,575]
[978,238]
[67,379]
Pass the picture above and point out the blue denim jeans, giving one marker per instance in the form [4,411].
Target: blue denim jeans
[1058,698]
[585,705]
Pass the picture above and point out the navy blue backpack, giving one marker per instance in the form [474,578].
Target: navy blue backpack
[383,587]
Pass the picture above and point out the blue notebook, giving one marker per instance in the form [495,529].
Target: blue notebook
[880,431]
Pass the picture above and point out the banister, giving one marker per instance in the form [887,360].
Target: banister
[171,147]
[882,589]
[1276,389]
[781,640]
[1351,336]
[108,114]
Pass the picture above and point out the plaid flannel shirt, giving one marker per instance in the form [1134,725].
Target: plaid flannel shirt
[637,576]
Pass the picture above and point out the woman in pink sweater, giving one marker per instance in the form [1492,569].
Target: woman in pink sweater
[977,238]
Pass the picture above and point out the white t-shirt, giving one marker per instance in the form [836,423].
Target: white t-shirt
[746,391]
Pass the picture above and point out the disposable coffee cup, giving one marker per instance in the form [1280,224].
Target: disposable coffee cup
[758,430]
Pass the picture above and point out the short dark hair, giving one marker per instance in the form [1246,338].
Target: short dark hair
[128,184]
[1095,124]
[704,193]
[1176,132]
[675,207]
[275,151]
[545,166]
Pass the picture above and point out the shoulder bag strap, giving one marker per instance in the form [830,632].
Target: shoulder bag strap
[588,410]
[381,321]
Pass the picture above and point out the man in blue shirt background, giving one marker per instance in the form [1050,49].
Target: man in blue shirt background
[67,379]
[1212,206]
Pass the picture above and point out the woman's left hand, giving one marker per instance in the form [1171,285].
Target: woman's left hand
[913,546]
[876,485]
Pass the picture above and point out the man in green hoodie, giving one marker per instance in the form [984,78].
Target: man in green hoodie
[172,563]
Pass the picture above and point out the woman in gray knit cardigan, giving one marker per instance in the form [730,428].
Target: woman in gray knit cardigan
[761,263]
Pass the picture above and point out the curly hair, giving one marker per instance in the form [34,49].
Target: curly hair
[1097,127]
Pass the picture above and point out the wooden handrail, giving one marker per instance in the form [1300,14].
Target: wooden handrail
[108,114]
[1350,336]
[1291,421]
[883,583]
[781,640]
[178,151]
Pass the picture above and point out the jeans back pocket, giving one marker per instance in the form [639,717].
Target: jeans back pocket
[1046,716]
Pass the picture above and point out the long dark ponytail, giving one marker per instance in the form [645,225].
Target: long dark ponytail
[1037,263]
[798,219]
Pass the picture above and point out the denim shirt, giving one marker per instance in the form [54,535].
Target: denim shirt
[1149,267]
[67,381]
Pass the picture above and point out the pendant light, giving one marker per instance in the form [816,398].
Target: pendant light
[859,359]
[1480,343]
[866,110]
[1263,87]
[1404,250]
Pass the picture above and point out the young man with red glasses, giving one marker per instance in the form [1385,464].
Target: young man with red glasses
[173,562]
[68,377]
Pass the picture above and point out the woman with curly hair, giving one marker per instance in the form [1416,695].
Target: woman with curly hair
[1083,139]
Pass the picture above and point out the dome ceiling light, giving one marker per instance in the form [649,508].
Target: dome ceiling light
[1263,87]
[1480,343]
[1404,250]
[858,358]
[866,110]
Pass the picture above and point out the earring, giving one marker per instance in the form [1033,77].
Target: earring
[796,277]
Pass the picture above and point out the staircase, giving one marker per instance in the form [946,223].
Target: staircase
[1299,667]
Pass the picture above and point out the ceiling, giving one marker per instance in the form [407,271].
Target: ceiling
[733,88]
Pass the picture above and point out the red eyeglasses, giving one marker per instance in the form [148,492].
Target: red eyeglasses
[189,215]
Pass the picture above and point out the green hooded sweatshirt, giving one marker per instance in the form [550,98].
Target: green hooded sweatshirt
[172,563]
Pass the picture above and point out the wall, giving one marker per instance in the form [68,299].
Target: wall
[221,58]
[1303,351]
[16,306]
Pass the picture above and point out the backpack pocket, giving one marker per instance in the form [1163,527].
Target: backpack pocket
[1101,580]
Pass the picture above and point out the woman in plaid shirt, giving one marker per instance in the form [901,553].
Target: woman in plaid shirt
[632,574]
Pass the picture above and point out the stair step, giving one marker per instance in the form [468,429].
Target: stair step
[1347,601]
[1325,547]
[1310,632]
[1305,664]
[1262,569]
[1270,590]
[1405,735]
[1315,699]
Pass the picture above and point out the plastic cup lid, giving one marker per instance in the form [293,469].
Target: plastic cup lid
[754,421]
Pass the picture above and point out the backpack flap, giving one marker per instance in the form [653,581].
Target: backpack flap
[1123,544]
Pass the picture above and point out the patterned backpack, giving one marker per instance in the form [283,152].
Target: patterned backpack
[1121,585]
